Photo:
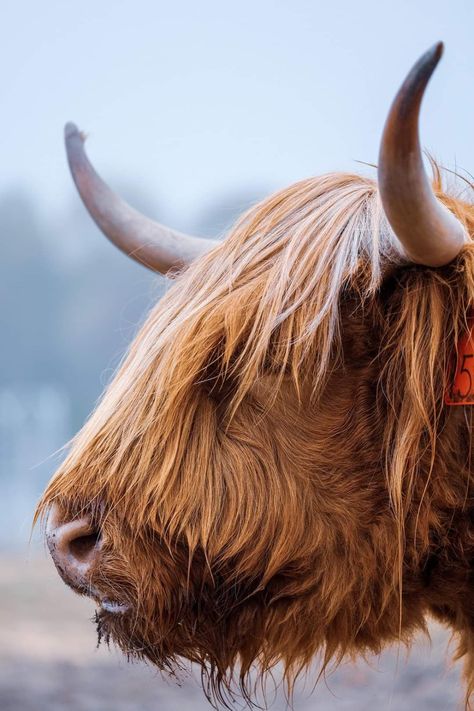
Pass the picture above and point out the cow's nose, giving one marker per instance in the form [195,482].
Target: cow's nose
[75,548]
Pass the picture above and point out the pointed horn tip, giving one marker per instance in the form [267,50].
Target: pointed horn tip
[407,101]
[424,68]
[71,131]
[433,55]
[438,50]
[417,79]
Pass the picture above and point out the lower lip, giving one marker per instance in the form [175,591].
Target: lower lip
[115,608]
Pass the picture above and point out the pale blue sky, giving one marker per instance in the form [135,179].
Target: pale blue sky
[190,100]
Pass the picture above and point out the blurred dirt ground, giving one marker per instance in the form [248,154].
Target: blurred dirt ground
[49,662]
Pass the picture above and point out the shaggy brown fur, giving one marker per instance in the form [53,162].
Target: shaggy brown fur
[273,467]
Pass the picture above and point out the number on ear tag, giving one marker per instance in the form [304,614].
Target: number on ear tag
[461,391]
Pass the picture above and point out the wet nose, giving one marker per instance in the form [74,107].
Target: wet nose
[75,548]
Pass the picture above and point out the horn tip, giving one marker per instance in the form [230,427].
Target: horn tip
[71,131]
[436,51]
[422,71]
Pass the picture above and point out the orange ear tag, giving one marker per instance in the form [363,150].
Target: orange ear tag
[461,391]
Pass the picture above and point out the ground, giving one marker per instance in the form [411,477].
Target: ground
[49,662]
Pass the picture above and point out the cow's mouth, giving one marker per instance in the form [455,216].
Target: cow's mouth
[114,607]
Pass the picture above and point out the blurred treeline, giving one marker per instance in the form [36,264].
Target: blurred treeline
[70,303]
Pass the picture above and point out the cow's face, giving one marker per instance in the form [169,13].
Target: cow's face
[253,485]
[185,504]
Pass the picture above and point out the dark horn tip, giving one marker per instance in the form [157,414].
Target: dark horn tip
[434,54]
[430,60]
[407,102]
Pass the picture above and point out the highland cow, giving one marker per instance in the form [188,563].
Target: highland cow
[281,467]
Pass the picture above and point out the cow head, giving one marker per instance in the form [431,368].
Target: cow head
[273,473]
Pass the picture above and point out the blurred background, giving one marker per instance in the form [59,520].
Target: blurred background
[194,111]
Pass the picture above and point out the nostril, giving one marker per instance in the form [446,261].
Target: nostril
[75,546]
[82,547]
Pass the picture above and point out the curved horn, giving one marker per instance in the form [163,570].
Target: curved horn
[428,232]
[157,247]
